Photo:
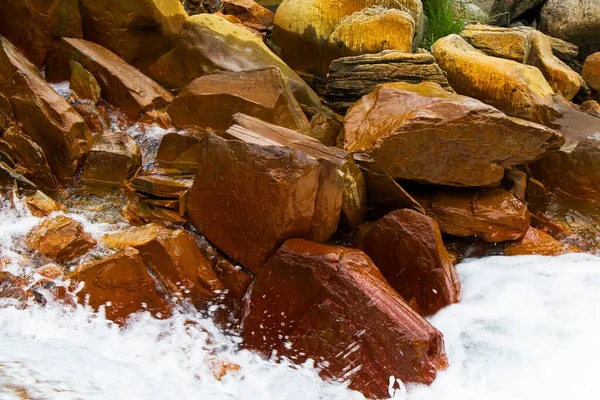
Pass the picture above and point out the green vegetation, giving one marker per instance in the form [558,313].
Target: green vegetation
[443,21]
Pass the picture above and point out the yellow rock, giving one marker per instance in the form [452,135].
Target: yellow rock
[303,27]
[370,31]
[591,71]
[516,89]
[209,44]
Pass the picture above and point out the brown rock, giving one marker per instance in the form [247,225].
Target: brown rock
[591,71]
[539,243]
[354,197]
[96,116]
[211,101]
[42,114]
[350,78]
[159,118]
[36,27]
[121,284]
[325,126]
[138,31]
[113,157]
[510,43]
[60,238]
[161,185]
[180,152]
[407,248]
[233,49]
[517,183]
[11,179]
[122,85]
[494,214]
[591,107]
[564,50]
[332,305]
[83,85]
[41,205]
[224,207]
[427,134]
[249,12]
[7,117]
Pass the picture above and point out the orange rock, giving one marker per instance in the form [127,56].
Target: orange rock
[159,118]
[540,243]
[249,12]
[180,151]
[60,238]
[11,179]
[50,271]
[121,284]
[211,101]
[407,248]
[591,71]
[591,107]
[42,114]
[426,134]
[221,368]
[122,85]
[331,304]
[41,205]
[96,116]
[493,214]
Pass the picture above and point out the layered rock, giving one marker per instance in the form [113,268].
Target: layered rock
[537,242]
[40,205]
[591,71]
[11,180]
[42,114]
[113,157]
[493,214]
[224,207]
[233,49]
[122,85]
[60,238]
[211,101]
[591,107]
[36,27]
[350,78]
[332,305]
[138,31]
[180,152]
[406,246]
[426,134]
[83,85]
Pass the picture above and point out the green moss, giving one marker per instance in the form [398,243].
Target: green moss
[443,21]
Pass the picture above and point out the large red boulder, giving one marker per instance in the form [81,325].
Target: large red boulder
[331,304]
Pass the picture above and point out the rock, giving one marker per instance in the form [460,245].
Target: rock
[30,158]
[325,126]
[161,185]
[158,118]
[7,116]
[221,368]
[11,179]
[539,243]
[368,31]
[249,12]
[591,71]
[114,156]
[304,28]
[83,85]
[508,11]
[60,238]
[576,172]
[95,116]
[332,305]
[493,214]
[591,107]
[138,31]
[222,202]
[426,134]
[233,49]
[36,27]
[517,183]
[122,85]
[174,258]
[42,114]
[577,21]
[353,192]
[121,284]
[562,49]
[180,152]
[40,205]
[406,246]
[350,78]
[211,101]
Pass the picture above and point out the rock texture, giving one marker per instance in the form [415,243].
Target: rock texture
[60,238]
[331,304]
[406,246]
[122,85]
[427,134]
[352,77]
[537,242]
[211,101]
[83,85]
[591,71]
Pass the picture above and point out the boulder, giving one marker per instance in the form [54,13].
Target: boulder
[504,11]
[60,238]
[180,152]
[121,284]
[406,246]
[43,115]
[591,107]
[36,27]
[113,157]
[210,101]
[493,214]
[562,49]
[249,12]
[426,134]
[591,71]
[83,85]
[95,116]
[232,49]
[325,126]
[353,192]
[577,21]
[40,205]
[332,305]
[138,31]
[368,31]
[303,28]
[174,258]
[537,242]
[352,77]
[223,205]
[122,85]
